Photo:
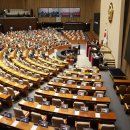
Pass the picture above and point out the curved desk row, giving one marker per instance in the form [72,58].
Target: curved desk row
[35,106]
[73,97]
[75,86]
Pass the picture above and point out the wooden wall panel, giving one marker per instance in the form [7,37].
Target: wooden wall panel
[86,7]
[12,4]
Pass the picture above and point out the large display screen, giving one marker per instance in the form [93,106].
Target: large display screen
[59,12]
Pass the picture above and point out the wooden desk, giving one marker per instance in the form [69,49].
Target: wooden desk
[80,79]
[86,69]
[121,82]
[60,61]
[18,74]
[30,69]
[75,86]
[22,88]
[35,106]
[51,63]
[37,64]
[73,97]
[8,122]
[82,73]
[6,99]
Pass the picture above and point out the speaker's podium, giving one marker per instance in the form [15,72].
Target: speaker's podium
[95,59]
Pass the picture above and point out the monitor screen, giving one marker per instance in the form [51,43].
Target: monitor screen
[83,108]
[54,12]
[64,106]
[43,12]
[65,127]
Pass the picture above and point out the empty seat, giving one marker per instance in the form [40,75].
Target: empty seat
[13,92]
[71,82]
[121,89]
[58,121]
[82,92]
[97,84]
[38,98]
[36,117]
[18,112]
[1,88]
[64,90]
[106,127]
[125,98]
[81,125]
[26,82]
[14,79]
[99,94]
[77,105]
[56,102]
[99,107]
[85,83]
[51,88]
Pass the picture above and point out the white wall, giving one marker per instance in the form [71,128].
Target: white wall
[114,29]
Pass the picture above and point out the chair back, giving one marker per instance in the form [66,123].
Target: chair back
[56,102]
[18,112]
[35,117]
[57,121]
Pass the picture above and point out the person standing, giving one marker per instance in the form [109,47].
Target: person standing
[79,49]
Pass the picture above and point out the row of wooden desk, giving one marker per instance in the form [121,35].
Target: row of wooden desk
[12,123]
[35,106]
[73,97]
[80,79]
[45,75]
[75,86]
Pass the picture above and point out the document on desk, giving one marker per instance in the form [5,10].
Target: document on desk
[63,84]
[97,115]
[15,123]
[50,82]
[93,99]
[22,102]
[93,88]
[56,94]
[76,112]
[74,97]
[34,127]
[38,106]
[78,86]
[40,90]
[56,110]
[1,116]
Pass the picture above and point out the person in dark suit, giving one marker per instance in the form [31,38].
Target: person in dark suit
[79,49]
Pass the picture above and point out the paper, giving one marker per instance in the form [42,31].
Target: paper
[40,90]
[7,81]
[38,106]
[76,112]
[63,84]
[15,123]
[50,82]
[81,78]
[34,127]
[93,88]
[97,115]
[56,110]
[93,99]
[1,117]
[56,94]
[22,102]
[74,97]
[78,86]
[16,84]
[69,77]
[93,79]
